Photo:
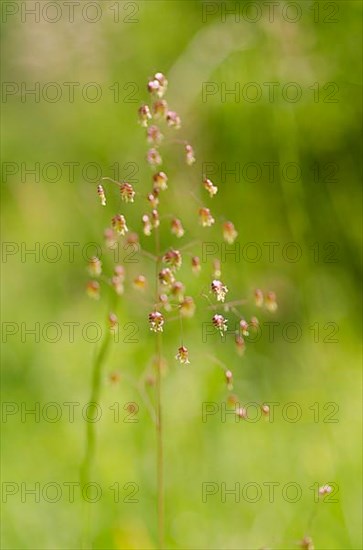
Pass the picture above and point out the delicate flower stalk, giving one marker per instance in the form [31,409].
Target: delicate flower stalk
[93,289]
[177,290]
[164,302]
[117,281]
[170,294]
[196,265]
[166,276]
[229,379]
[229,232]
[220,323]
[158,85]
[153,157]
[127,192]
[254,322]
[153,200]
[95,267]
[325,490]
[119,224]
[155,219]
[240,345]
[217,272]
[140,282]
[177,228]
[219,290]
[113,323]
[110,237]
[210,187]
[156,320]
[154,135]
[241,412]
[270,301]
[187,307]
[205,217]
[243,325]
[189,155]
[88,461]
[258,297]
[119,271]
[173,120]
[147,225]
[101,194]
[160,108]
[158,396]
[160,181]
[232,399]
[160,444]
[118,285]
[173,258]
[132,238]
[183,355]
[144,115]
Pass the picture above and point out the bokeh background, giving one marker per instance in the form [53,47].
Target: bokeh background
[192,42]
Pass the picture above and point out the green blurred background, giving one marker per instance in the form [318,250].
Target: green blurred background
[192,43]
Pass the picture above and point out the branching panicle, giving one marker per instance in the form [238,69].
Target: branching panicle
[169,298]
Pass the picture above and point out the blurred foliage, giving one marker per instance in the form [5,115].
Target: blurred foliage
[175,38]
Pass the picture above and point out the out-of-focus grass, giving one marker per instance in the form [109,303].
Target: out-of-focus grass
[172,37]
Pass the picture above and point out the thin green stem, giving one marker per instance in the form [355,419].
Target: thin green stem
[159,437]
[106,178]
[181,329]
[86,467]
[158,408]
[95,395]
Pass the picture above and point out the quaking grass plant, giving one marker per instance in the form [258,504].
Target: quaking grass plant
[169,300]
